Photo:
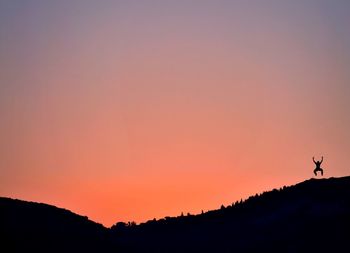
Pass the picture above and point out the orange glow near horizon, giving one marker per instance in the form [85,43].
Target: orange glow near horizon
[127,112]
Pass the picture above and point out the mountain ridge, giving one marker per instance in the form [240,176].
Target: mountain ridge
[308,216]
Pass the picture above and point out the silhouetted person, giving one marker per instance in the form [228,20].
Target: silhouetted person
[318,166]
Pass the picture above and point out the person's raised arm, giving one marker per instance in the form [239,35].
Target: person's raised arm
[321,159]
[313,159]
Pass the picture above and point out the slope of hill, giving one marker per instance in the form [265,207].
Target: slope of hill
[35,227]
[313,216]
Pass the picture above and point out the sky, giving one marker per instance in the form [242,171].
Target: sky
[134,110]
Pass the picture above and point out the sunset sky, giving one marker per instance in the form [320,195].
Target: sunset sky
[134,110]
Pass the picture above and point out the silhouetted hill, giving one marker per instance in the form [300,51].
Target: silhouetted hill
[313,216]
[35,227]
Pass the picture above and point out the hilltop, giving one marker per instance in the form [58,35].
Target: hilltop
[37,227]
[310,216]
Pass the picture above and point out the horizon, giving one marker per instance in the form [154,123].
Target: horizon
[242,200]
[129,111]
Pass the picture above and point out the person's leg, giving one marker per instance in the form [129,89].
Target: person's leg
[315,172]
[321,171]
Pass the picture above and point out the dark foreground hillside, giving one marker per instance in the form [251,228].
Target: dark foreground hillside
[313,216]
[34,227]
